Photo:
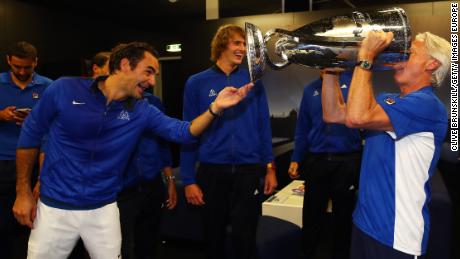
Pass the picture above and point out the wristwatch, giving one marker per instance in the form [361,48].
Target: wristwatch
[364,64]
[271,165]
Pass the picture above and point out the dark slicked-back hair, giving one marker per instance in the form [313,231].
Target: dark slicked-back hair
[23,49]
[133,51]
[222,37]
[100,58]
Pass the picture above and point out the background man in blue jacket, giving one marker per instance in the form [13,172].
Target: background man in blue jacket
[143,196]
[330,159]
[234,153]
[93,128]
[20,90]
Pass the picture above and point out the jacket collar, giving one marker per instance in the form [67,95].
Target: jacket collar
[128,103]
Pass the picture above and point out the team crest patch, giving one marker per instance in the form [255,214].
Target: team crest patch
[390,100]
[212,93]
[124,115]
[34,95]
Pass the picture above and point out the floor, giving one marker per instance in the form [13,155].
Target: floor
[178,249]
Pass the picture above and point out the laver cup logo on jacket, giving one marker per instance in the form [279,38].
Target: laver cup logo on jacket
[124,115]
[212,93]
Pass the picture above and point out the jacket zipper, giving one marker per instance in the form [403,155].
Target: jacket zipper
[232,138]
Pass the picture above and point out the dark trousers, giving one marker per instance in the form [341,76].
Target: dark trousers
[327,177]
[13,236]
[365,247]
[232,196]
[140,214]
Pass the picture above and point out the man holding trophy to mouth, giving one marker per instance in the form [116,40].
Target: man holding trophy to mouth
[403,131]
[404,134]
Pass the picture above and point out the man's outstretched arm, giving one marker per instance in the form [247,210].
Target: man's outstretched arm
[226,98]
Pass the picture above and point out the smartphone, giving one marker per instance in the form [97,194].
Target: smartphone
[24,111]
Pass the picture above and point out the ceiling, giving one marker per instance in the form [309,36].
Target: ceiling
[164,15]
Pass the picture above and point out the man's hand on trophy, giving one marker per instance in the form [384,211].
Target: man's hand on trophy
[374,43]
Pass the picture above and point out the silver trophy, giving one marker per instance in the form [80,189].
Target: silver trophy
[330,42]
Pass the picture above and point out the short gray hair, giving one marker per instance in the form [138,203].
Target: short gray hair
[439,49]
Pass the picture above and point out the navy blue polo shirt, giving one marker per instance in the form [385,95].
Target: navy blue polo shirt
[12,95]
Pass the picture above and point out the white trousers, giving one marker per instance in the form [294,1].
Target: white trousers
[56,232]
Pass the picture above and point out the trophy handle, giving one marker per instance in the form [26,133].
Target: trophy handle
[285,62]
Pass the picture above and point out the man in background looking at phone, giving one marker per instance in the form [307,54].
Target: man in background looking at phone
[20,90]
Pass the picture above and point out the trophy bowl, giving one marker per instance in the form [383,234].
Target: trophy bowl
[329,42]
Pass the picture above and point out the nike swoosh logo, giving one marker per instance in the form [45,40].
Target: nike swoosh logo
[76,103]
